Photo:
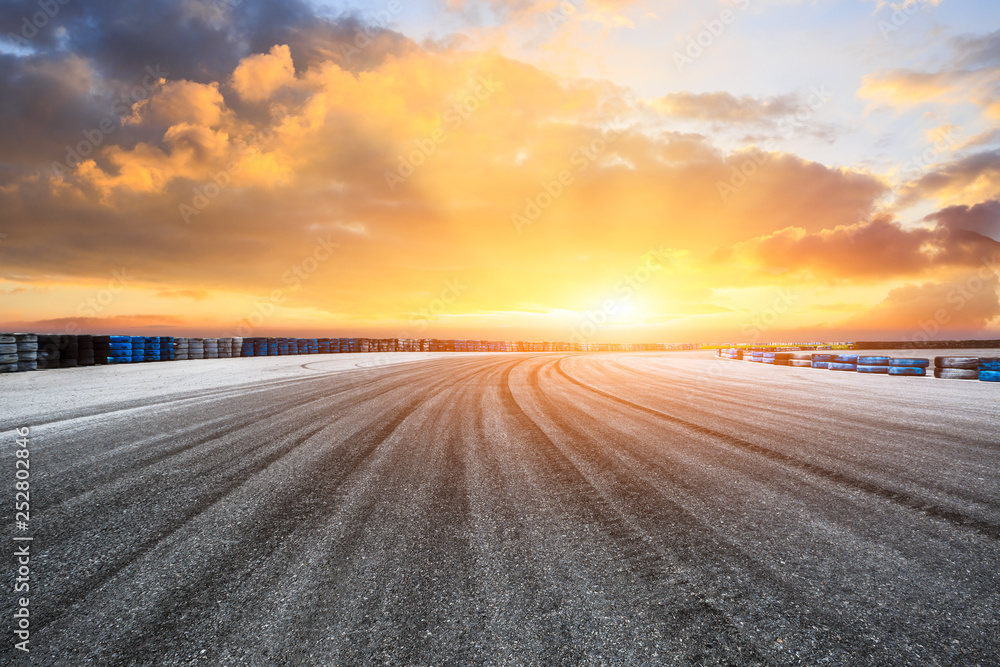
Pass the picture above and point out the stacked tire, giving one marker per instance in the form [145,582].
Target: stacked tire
[800,360]
[907,367]
[260,347]
[112,350]
[181,349]
[167,348]
[151,350]
[8,353]
[874,365]
[69,351]
[211,348]
[237,347]
[956,368]
[137,349]
[196,348]
[989,369]
[47,352]
[821,361]
[85,350]
[844,362]
[225,349]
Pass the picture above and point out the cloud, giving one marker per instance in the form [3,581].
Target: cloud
[982,218]
[878,249]
[722,106]
[963,307]
[970,76]
[270,142]
[975,177]
[178,102]
[257,77]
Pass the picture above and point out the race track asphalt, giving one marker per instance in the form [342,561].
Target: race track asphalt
[513,509]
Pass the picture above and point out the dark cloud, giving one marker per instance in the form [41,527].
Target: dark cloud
[878,249]
[978,50]
[983,166]
[87,64]
[983,218]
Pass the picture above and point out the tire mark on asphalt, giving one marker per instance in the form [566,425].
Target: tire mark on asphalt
[705,622]
[956,518]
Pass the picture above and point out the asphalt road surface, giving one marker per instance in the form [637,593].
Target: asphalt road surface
[514,509]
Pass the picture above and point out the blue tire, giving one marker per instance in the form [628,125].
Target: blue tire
[845,359]
[874,361]
[989,376]
[822,357]
[820,364]
[911,371]
[989,364]
[838,366]
[914,363]
[873,369]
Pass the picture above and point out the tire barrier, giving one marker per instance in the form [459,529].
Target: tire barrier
[966,363]
[24,352]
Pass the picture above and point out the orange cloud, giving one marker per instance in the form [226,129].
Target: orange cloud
[257,77]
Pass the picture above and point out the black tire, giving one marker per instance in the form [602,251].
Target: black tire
[8,348]
[27,366]
[8,368]
[67,363]
[6,359]
[7,339]
[27,347]
[968,363]
[956,374]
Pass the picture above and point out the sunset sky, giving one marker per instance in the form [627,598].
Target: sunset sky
[668,171]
